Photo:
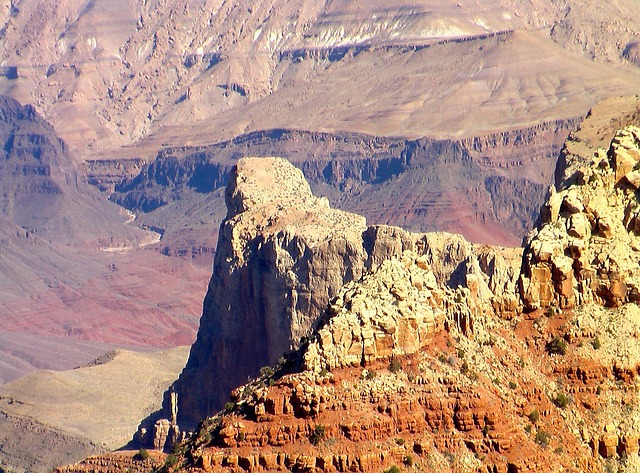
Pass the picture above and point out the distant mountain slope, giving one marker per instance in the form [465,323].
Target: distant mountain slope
[44,193]
[71,265]
[110,73]
[49,418]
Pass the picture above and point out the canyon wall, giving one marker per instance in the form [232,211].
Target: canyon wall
[282,255]
[487,188]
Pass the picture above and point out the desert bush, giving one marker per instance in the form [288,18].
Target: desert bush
[395,365]
[142,455]
[557,346]
[318,435]
[266,371]
[561,400]
[542,438]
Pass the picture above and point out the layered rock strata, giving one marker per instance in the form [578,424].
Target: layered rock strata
[282,255]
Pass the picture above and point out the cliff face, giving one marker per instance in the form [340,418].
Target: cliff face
[442,356]
[586,249]
[488,188]
[452,357]
[282,255]
[278,261]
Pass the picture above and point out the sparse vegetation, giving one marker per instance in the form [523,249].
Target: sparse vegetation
[400,441]
[323,372]
[561,400]
[142,455]
[408,461]
[266,371]
[370,374]
[451,458]
[489,342]
[395,365]
[170,462]
[442,358]
[392,469]
[512,384]
[229,406]
[595,343]
[534,416]
[542,438]
[557,346]
[318,435]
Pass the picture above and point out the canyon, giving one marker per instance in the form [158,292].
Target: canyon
[428,116]
[387,349]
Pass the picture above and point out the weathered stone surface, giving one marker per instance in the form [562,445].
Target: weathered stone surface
[589,251]
[283,254]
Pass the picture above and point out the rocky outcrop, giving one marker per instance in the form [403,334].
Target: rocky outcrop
[282,255]
[441,355]
[588,248]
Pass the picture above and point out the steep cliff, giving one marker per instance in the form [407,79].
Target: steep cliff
[282,255]
[442,356]
[488,188]
[587,249]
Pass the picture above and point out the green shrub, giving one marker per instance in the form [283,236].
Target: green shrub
[408,461]
[371,374]
[229,406]
[512,384]
[142,455]
[561,400]
[595,343]
[542,438]
[171,461]
[395,365]
[318,434]
[400,441]
[266,371]
[557,346]
[534,416]
[393,469]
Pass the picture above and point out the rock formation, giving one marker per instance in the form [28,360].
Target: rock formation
[433,353]
[282,255]
[588,248]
